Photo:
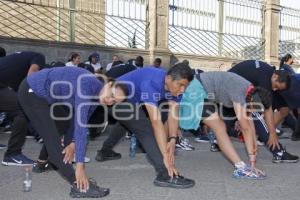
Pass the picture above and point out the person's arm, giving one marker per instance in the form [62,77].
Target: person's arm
[273,139]
[36,62]
[33,68]
[248,130]
[173,126]
[81,115]
[160,136]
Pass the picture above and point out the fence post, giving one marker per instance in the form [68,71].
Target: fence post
[221,26]
[72,8]
[102,21]
[271,30]
[58,20]
[158,31]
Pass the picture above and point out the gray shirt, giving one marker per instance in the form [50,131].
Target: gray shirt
[225,87]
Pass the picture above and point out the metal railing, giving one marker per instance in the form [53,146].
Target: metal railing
[120,23]
[227,28]
[289,32]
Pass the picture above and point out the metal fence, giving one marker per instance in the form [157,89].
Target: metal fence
[289,32]
[227,28]
[120,23]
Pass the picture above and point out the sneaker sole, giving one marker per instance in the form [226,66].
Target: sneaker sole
[15,164]
[108,159]
[170,185]
[90,196]
[249,178]
[285,161]
[202,141]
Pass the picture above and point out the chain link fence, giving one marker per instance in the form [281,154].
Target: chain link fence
[289,32]
[226,28]
[120,23]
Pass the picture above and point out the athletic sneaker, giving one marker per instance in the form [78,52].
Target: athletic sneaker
[2,146]
[17,160]
[86,160]
[259,143]
[94,191]
[295,136]
[40,167]
[284,156]
[248,173]
[214,147]
[174,182]
[6,129]
[183,144]
[202,138]
[279,132]
[104,155]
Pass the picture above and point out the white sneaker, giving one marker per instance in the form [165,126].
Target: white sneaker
[259,143]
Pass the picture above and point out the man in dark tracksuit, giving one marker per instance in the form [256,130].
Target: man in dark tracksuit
[263,75]
[14,68]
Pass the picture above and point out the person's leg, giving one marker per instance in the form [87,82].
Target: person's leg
[38,112]
[9,103]
[141,126]
[280,115]
[106,153]
[43,154]
[296,133]
[290,121]
[262,131]
[116,133]
[279,154]
[219,128]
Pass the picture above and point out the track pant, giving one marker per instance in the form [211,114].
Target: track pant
[37,110]
[136,121]
[9,104]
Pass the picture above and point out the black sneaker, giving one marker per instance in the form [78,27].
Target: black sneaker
[285,157]
[214,147]
[40,167]
[176,182]
[94,191]
[3,146]
[107,155]
[295,136]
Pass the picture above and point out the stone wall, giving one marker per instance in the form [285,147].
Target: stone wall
[60,51]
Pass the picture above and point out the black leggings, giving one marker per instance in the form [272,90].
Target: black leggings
[38,111]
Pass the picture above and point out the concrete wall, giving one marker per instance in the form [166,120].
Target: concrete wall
[60,51]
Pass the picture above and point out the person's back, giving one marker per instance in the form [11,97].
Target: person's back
[76,81]
[287,68]
[224,87]
[120,70]
[14,67]
[143,79]
[257,72]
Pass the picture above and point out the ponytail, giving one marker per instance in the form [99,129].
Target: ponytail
[284,59]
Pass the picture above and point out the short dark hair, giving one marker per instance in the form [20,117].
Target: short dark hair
[2,52]
[73,56]
[283,77]
[139,58]
[260,95]
[181,71]
[157,60]
[186,62]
